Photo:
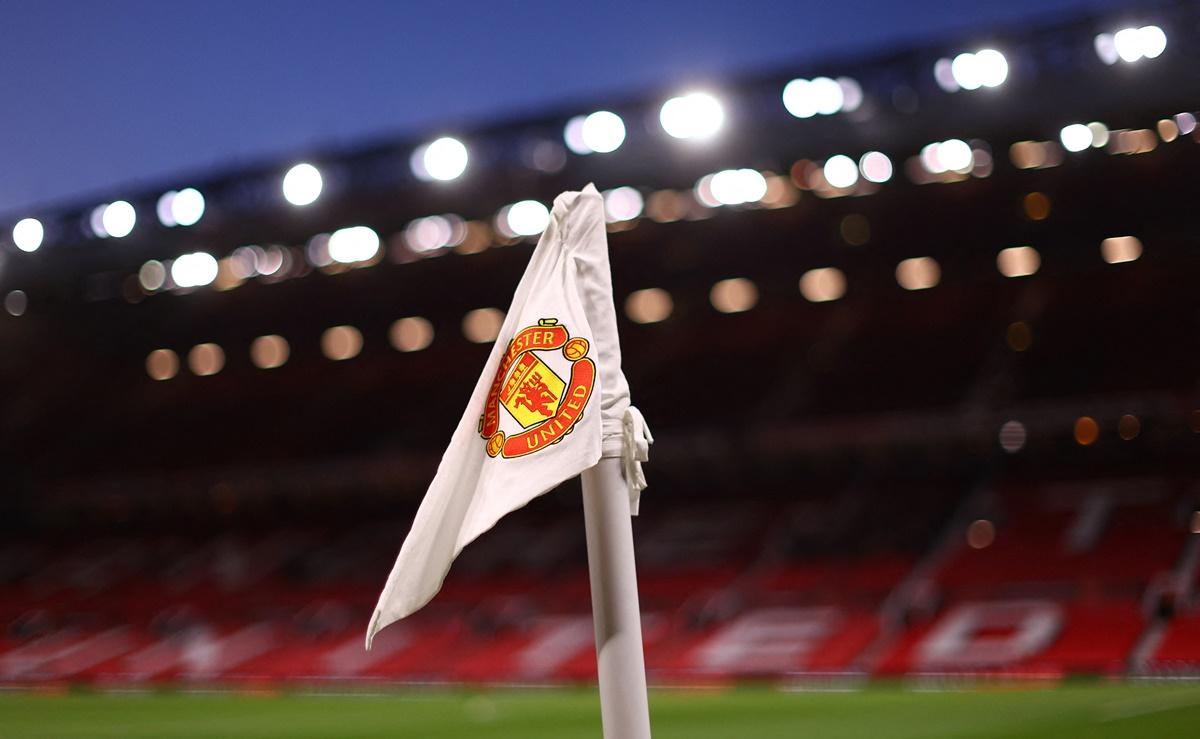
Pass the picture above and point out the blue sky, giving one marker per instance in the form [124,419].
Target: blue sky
[96,96]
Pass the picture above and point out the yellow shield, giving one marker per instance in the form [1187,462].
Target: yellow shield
[532,391]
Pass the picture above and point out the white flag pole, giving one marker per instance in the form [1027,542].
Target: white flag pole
[624,709]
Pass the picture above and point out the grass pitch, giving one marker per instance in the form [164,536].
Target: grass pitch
[1095,711]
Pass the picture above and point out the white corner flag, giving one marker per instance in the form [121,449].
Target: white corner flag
[551,402]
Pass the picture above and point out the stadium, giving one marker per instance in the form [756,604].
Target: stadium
[916,332]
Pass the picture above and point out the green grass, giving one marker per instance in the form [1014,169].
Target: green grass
[1099,711]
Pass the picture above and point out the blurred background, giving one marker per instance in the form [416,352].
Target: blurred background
[907,294]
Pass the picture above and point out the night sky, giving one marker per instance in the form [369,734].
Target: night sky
[96,96]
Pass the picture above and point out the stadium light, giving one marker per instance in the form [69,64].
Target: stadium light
[194,270]
[971,71]
[875,167]
[650,305]
[600,133]
[840,171]
[431,233]
[206,359]
[16,302]
[482,325]
[918,273]
[1130,45]
[1018,261]
[821,96]
[952,155]
[444,159]
[1075,137]
[162,364]
[526,218]
[1119,249]
[696,115]
[28,234]
[731,187]
[735,295]
[182,208]
[152,275]
[411,334]
[113,220]
[340,343]
[353,244]
[823,284]
[302,184]
[622,204]
[269,352]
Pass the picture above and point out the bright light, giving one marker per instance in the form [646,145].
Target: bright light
[737,186]
[411,334]
[573,135]
[269,352]
[622,204]
[302,184]
[194,270]
[984,68]
[602,132]
[840,171]
[1154,41]
[954,155]
[965,73]
[1018,261]
[162,364]
[1120,249]
[163,208]
[483,325]
[1076,137]
[28,234]
[992,67]
[799,99]
[828,95]
[341,343]
[875,167]
[187,207]
[821,96]
[649,306]
[444,159]
[117,219]
[696,115]
[1131,44]
[527,218]
[823,285]
[918,273]
[852,94]
[943,72]
[435,232]
[353,244]
[735,295]
[206,359]
[152,275]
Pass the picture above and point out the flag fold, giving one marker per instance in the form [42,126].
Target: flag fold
[552,400]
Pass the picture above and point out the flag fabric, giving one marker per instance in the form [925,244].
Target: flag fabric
[551,401]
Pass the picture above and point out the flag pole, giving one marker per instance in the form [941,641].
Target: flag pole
[624,709]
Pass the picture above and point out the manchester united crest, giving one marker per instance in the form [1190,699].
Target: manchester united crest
[543,384]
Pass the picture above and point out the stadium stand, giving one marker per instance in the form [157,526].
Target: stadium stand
[990,474]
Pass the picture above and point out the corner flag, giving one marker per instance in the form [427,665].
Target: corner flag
[552,400]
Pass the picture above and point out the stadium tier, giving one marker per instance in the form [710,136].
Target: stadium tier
[747,588]
[934,417]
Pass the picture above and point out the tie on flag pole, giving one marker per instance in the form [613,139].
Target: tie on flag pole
[552,403]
